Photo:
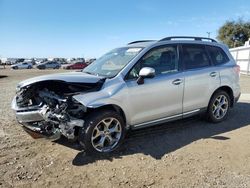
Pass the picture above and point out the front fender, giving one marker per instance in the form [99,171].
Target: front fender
[95,99]
[114,95]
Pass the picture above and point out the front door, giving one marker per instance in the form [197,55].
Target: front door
[159,97]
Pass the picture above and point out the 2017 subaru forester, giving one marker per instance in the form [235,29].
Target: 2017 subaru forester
[142,84]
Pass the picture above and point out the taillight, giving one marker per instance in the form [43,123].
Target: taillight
[237,69]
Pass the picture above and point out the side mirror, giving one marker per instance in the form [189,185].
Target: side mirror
[146,72]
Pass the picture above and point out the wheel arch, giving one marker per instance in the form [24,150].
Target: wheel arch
[113,107]
[228,90]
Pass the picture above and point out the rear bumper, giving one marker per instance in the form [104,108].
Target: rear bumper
[236,99]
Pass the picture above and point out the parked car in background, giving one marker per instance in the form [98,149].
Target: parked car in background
[89,61]
[76,65]
[80,59]
[40,60]
[19,60]
[3,64]
[10,61]
[32,61]
[73,60]
[49,65]
[22,65]
[60,60]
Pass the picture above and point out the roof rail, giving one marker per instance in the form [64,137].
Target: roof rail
[138,41]
[188,37]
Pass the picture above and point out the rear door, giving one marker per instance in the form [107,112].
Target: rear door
[201,77]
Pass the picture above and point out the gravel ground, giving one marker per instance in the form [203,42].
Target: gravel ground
[189,153]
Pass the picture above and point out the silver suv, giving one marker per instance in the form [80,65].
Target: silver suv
[142,84]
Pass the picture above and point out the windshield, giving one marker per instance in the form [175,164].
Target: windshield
[112,62]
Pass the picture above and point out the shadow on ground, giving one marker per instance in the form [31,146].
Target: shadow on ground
[160,140]
[3,76]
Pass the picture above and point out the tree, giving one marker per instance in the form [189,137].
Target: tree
[234,33]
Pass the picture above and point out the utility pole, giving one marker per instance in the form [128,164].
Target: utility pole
[208,34]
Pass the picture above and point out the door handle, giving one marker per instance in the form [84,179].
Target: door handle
[213,74]
[177,82]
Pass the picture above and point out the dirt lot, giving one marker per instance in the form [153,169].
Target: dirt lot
[190,153]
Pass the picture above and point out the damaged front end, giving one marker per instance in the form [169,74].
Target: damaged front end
[48,109]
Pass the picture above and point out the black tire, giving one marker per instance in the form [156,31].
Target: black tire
[91,122]
[211,117]
[41,67]
[29,67]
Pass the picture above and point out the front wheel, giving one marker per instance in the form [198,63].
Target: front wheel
[103,132]
[218,107]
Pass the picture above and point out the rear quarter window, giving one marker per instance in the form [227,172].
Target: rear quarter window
[217,55]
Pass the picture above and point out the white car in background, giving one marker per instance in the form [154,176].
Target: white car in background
[22,65]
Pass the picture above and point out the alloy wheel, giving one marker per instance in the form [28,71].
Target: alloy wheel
[220,107]
[106,134]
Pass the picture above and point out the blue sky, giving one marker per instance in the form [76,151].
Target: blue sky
[89,28]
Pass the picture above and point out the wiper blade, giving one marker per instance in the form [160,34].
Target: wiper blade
[96,74]
[91,73]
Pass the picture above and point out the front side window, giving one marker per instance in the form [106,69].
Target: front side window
[164,60]
[113,62]
[217,54]
[194,56]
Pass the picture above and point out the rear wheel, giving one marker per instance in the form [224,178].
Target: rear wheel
[218,107]
[104,131]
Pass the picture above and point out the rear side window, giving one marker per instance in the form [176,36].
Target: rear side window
[194,56]
[217,54]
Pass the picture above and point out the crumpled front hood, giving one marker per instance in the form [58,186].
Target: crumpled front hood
[70,77]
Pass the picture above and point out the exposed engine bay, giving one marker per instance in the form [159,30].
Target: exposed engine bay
[49,109]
